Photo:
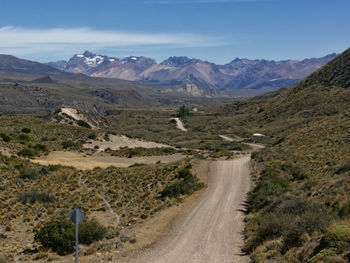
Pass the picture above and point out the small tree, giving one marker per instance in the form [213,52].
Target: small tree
[183,111]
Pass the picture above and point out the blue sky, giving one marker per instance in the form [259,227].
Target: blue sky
[213,30]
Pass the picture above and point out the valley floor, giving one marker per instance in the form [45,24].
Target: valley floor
[102,160]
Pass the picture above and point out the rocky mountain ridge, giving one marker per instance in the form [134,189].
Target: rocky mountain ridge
[238,74]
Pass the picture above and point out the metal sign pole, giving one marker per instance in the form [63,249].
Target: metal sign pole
[76,216]
[76,236]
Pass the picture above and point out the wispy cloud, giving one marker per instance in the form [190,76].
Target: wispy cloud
[65,41]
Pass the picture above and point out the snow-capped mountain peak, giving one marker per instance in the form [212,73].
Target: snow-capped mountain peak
[91,60]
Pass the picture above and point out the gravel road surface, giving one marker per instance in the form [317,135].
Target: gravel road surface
[211,230]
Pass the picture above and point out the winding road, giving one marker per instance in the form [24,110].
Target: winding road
[211,230]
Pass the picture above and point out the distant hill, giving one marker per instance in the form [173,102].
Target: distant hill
[12,65]
[238,74]
[323,93]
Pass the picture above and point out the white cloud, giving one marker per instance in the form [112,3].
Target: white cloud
[65,41]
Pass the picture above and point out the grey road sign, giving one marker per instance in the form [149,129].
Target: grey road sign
[76,216]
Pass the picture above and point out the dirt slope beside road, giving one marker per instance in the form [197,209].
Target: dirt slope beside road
[211,230]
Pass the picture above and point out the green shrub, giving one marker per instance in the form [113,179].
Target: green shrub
[90,231]
[68,144]
[5,137]
[27,152]
[269,187]
[58,234]
[324,254]
[337,237]
[294,170]
[35,196]
[184,173]
[28,173]
[137,165]
[334,242]
[24,137]
[92,136]
[344,210]
[83,124]
[289,219]
[291,206]
[54,167]
[343,169]
[187,185]
[40,148]
[26,130]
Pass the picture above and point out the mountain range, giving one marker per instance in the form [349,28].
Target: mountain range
[238,74]
[31,86]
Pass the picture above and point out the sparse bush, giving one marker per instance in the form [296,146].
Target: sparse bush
[337,237]
[27,152]
[54,167]
[140,151]
[334,242]
[291,206]
[26,130]
[269,187]
[294,170]
[58,234]
[24,137]
[40,148]
[344,210]
[290,219]
[137,165]
[324,254]
[5,137]
[33,197]
[183,173]
[90,231]
[187,185]
[83,124]
[257,156]
[28,173]
[343,169]
[68,144]
[92,136]
[44,170]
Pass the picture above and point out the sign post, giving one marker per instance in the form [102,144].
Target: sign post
[76,216]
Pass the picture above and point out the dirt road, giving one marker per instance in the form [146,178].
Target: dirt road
[211,230]
[180,125]
[255,146]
